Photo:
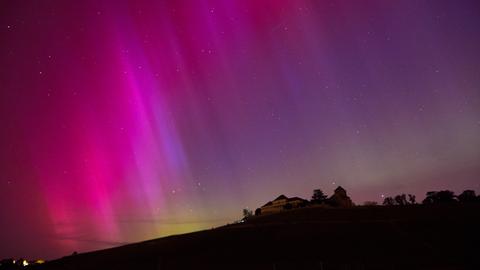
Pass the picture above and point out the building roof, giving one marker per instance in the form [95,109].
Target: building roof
[295,199]
[281,197]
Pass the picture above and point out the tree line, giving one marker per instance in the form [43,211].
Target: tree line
[434,197]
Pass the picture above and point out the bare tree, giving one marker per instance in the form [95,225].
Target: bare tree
[388,201]
[401,199]
[247,213]
[411,199]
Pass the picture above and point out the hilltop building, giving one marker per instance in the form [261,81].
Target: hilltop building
[282,203]
[340,198]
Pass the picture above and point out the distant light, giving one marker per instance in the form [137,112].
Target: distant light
[24,263]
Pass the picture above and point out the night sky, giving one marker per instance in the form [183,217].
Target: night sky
[126,121]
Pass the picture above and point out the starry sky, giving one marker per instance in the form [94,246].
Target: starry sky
[123,121]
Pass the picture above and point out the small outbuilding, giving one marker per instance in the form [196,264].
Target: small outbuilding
[340,198]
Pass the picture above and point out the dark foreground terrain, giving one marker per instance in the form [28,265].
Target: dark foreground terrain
[409,237]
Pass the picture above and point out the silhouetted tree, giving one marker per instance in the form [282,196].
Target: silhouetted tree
[258,212]
[467,196]
[435,197]
[318,196]
[388,201]
[247,213]
[430,197]
[411,199]
[401,199]
[446,196]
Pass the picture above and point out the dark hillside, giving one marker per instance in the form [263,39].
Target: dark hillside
[409,237]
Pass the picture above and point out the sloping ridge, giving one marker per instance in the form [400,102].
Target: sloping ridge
[414,237]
